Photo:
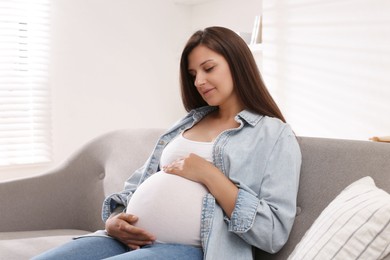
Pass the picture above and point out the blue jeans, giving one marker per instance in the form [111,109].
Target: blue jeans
[92,248]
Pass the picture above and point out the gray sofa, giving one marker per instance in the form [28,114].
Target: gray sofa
[45,211]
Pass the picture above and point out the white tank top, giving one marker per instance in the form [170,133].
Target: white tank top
[167,205]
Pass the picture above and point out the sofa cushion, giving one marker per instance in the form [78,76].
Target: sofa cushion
[26,244]
[356,224]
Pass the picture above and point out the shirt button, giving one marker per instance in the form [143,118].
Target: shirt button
[162,142]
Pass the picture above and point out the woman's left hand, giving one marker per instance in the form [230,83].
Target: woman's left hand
[192,167]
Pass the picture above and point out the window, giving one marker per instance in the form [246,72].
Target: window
[327,64]
[24,92]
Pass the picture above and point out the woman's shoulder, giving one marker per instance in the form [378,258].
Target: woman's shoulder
[274,126]
[273,121]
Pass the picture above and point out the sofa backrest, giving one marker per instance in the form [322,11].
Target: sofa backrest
[328,166]
[129,149]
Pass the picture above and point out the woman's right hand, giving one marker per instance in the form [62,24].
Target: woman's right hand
[121,226]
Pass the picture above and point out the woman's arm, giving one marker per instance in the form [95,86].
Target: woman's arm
[264,220]
[120,199]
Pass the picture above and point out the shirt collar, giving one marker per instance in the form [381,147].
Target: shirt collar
[249,117]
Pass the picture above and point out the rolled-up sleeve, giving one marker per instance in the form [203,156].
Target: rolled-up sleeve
[244,213]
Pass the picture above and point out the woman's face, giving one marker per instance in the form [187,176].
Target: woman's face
[212,77]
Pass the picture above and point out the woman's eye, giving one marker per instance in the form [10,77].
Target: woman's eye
[209,69]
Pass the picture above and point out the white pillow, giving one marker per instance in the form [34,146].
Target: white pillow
[355,225]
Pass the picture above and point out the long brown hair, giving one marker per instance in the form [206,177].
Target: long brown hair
[247,80]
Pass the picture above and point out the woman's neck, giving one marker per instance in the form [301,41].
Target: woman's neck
[228,112]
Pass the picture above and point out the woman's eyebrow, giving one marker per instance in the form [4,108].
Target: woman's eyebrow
[206,61]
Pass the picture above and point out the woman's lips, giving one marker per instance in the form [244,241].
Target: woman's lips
[207,91]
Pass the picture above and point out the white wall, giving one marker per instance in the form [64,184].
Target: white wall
[236,15]
[114,65]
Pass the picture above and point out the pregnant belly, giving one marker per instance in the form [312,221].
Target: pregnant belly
[169,207]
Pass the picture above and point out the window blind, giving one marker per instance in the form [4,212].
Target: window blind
[24,92]
[327,64]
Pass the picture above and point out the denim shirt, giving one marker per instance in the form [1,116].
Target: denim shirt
[263,159]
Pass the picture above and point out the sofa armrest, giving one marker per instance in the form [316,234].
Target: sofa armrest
[58,199]
[71,196]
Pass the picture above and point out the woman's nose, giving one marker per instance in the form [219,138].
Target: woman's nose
[199,81]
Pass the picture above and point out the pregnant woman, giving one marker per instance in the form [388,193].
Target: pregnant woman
[221,181]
